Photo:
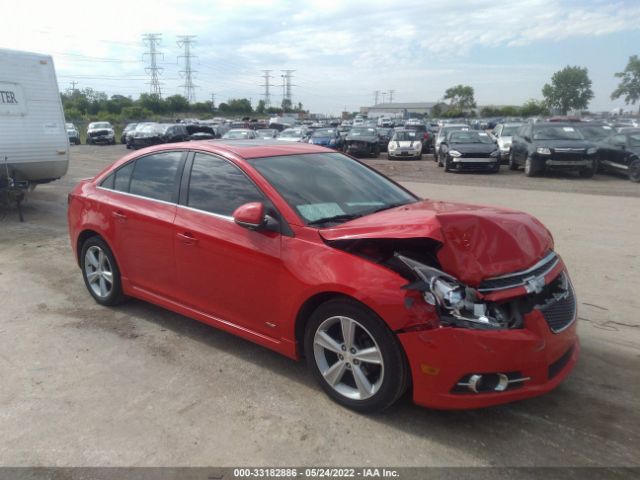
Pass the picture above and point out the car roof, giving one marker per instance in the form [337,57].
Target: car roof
[255,148]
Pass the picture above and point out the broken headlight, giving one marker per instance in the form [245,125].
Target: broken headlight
[457,303]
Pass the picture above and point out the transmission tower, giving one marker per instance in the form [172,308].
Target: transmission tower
[152,40]
[267,95]
[286,80]
[186,41]
[391,92]
[375,96]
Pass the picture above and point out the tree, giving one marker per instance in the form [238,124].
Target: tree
[570,89]
[438,109]
[260,108]
[460,97]
[629,86]
[177,104]
[286,104]
[152,102]
[532,108]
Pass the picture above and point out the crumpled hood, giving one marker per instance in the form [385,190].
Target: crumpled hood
[478,242]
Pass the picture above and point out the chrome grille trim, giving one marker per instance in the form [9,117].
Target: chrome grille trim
[520,278]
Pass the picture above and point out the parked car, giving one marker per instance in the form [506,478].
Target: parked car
[317,256]
[552,145]
[128,129]
[240,134]
[201,132]
[620,153]
[405,144]
[100,132]
[362,141]
[442,133]
[72,133]
[266,133]
[156,133]
[468,150]
[503,134]
[293,135]
[327,137]
[423,132]
[384,137]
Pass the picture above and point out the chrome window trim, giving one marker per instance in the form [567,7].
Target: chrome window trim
[136,196]
[217,215]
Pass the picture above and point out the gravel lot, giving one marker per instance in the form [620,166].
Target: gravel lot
[84,385]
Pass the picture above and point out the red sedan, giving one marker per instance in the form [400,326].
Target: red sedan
[313,254]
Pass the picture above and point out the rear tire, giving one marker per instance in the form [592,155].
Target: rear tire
[512,162]
[634,170]
[364,368]
[100,272]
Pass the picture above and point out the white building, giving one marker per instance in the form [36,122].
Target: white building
[397,109]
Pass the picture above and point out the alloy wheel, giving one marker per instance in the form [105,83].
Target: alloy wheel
[348,358]
[634,171]
[98,271]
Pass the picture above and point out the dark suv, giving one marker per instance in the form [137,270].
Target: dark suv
[552,145]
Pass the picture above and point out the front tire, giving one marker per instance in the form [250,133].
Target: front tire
[512,162]
[354,356]
[447,164]
[531,169]
[100,272]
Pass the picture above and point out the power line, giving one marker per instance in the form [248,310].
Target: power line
[153,41]
[266,85]
[187,41]
[286,85]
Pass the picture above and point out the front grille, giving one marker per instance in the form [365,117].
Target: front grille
[568,154]
[556,367]
[475,155]
[97,133]
[559,313]
[518,279]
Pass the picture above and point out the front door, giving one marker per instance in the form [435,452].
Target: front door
[225,270]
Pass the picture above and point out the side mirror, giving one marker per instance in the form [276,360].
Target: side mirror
[528,139]
[250,215]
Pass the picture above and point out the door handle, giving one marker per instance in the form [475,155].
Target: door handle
[187,238]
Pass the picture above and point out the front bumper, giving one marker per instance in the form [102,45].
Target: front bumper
[102,138]
[468,163]
[440,358]
[404,153]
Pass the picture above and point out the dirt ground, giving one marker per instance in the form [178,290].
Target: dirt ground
[84,385]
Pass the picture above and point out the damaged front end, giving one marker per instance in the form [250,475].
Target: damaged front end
[487,307]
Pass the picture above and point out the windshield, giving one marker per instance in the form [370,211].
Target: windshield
[330,188]
[446,130]
[357,132]
[405,136]
[556,132]
[69,125]
[236,134]
[100,125]
[469,137]
[634,140]
[509,131]
[149,128]
[595,132]
[324,132]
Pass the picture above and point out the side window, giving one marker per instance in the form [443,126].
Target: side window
[618,140]
[219,187]
[154,176]
[123,176]
[108,182]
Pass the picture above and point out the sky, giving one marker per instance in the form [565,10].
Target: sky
[341,51]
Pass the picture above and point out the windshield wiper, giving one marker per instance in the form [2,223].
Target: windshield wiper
[336,218]
[388,207]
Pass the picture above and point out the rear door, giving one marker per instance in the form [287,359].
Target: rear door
[141,208]
[225,270]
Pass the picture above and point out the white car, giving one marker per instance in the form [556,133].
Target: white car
[100,132]
[293,135]
[405,144]
[503,134]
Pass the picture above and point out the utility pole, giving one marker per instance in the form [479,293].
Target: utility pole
[186,41]
[213,102]
[267,94]
[73,86]
[152,40]
[286,82]
[375,96]
[391,92]
[384,94]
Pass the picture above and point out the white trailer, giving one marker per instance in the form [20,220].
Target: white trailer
[34,147]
